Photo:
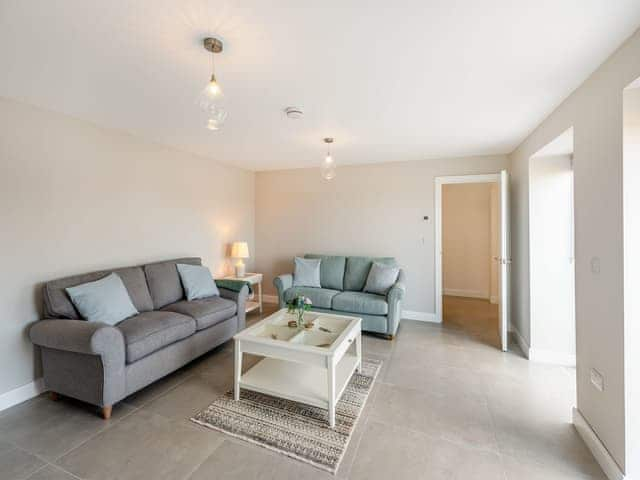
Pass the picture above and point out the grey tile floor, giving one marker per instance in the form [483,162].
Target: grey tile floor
[447,405]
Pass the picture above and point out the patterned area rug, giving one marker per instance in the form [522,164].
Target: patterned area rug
[291,428]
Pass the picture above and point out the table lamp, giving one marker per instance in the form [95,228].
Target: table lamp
[240,250]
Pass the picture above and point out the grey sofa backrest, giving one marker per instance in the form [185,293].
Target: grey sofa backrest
[357,271]
[58,305]
[164,282]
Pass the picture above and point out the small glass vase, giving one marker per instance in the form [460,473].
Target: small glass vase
[300,312]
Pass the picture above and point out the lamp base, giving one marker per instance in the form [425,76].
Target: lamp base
[240,269]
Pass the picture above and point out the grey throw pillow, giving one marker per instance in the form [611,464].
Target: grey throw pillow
[307,272]
[105,300]
[381,278]
[197,281]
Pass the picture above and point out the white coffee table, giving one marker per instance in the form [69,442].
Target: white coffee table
[311,366]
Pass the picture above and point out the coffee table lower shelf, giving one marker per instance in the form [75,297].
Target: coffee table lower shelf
[298,382]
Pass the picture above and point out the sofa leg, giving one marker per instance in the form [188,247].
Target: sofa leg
[53,396]
[389,337]
[106,412]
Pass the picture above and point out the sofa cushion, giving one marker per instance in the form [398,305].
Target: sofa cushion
[360,302]
[206,311]
[381,278]
[105,300]
[57,303]
[197,281]
[357,271]
[331,270]
[320,297]
[306,272]
[164,281]
[151,331]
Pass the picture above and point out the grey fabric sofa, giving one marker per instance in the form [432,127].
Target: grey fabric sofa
[102,364]
[342,280]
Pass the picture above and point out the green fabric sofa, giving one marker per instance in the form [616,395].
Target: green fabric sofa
[342,280]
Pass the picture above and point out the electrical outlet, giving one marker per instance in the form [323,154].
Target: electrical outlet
[597,380]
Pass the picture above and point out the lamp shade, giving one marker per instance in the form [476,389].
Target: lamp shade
[239,250]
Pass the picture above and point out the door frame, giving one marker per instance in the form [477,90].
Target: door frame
[439,181]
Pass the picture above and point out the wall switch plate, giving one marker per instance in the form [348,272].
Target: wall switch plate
[597,380]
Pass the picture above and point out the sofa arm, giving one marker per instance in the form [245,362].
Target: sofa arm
[80,336]
[282,283]
[63,340]
[240,298]
[395,295]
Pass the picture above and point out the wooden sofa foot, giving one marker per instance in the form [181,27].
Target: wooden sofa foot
[389,337]
[106,412]
[53,396]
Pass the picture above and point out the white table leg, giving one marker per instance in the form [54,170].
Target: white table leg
[331,377]
[359,352]
[260,295]
[237,370]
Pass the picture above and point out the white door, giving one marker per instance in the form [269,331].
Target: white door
[505,259]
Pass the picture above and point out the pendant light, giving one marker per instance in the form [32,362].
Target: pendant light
[329,164]
[211,96]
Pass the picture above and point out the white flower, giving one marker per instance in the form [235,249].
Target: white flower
[307,301]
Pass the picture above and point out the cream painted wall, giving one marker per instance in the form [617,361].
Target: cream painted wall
[595,112]
[552,268]
[366,210]
[632,273]
[74,198]
[466,239]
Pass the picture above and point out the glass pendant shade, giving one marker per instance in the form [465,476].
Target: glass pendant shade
[328,168]
[210,95]
[210,99]
[210,103]
[216,117]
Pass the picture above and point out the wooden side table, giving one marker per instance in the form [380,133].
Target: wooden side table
[253,279]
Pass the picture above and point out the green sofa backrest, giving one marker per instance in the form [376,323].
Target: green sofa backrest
[346,273]
[331,270]
[357,271]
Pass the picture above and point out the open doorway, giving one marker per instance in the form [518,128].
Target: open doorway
[551,253]
[470,249]
[473,255]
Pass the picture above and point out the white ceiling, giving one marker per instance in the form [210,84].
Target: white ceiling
[390,81]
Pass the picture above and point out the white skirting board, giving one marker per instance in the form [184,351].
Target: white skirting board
[456,292]
[555,358]
[522,343]
[272,299]
[419,316]
[542,356]
[599,451]
[21,394]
